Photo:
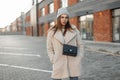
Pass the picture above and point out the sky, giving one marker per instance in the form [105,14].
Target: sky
[11,9]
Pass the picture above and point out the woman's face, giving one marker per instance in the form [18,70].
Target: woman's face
[63,19]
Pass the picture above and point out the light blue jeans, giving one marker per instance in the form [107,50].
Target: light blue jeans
[71,78]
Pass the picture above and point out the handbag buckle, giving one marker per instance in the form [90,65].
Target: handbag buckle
[70,50]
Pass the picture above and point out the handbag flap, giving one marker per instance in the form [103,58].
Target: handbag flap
[69,50]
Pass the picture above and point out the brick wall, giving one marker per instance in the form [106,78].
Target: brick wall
[56,5]
[46,29]
[75,21]
[29,31]
[72,2]
[103,26]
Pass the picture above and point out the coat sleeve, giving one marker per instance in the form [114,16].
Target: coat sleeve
[50,49]
[80,44]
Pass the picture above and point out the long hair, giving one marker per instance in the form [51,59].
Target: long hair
[58,26]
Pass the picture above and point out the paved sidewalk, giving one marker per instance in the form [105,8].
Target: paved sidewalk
[104,47]
[101,61]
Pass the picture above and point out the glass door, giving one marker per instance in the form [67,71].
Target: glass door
[86,27]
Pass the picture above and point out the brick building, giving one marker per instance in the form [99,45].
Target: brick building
[28,26]
[97,20]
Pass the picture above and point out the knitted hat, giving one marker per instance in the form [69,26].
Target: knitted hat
[62,11]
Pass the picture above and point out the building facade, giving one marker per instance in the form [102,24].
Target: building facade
[97,20]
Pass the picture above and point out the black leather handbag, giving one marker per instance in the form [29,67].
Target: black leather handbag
[69,50]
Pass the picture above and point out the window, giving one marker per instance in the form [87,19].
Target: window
[43,12]
[64,3]
[80,0]
[40,1]
[116,25]
[51,24]
[34,2]
[51,8]
[86,27]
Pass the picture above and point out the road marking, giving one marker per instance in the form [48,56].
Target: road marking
[19,54]
[13,48]
[26,68]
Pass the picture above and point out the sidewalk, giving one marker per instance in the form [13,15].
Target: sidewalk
[101,61]
[103,47]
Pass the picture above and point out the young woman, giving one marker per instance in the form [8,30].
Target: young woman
[64,33]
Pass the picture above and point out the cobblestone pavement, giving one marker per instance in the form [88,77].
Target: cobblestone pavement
[25,58]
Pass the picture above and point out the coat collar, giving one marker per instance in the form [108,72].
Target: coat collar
[58,35]
[68,37]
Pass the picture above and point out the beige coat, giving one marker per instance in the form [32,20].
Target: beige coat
[64,66]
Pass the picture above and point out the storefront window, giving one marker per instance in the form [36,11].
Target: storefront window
[86,27]
[116,25]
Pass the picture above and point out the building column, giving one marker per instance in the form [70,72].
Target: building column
[56,5]
[103,26]
[71,2]
[75,21]
[29,31]
[46,29]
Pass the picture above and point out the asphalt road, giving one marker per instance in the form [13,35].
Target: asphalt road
[25,58]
